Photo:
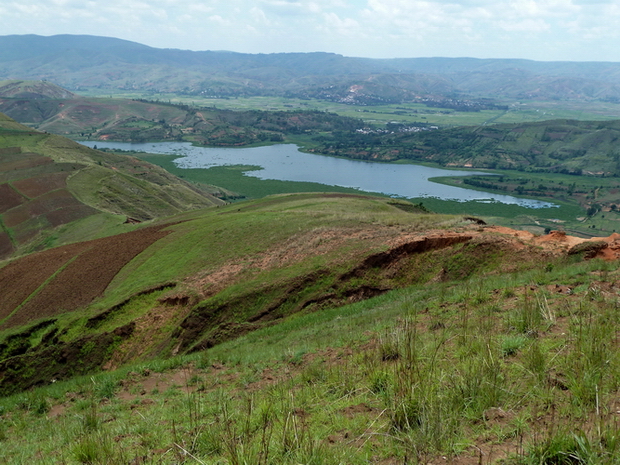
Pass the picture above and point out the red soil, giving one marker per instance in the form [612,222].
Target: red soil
[9,198]
[560,242]
[6,247]
[39,185]
[26,161]
[40,206]
[75,275]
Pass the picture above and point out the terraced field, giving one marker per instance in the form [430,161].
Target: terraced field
[50,185]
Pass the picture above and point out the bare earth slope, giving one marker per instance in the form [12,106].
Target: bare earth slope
[66,278]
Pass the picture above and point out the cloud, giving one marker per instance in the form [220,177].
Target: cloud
[538,29]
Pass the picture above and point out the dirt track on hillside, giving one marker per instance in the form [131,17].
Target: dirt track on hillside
[75,275]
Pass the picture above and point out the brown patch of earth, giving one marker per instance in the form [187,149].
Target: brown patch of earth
[24,162]
[9,198]
[39,185]
[146,339]
[6,245]
[73,275]
[60,198]
[558,242]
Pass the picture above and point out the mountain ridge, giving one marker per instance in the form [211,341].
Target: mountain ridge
[91,62]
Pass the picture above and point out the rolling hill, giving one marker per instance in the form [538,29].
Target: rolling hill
[142,120]
[310,328]
[33,90]
[195,280]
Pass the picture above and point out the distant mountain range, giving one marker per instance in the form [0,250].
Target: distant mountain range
[89,62]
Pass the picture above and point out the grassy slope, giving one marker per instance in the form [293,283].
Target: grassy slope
[242,262]
[497,366]
[32,89]
[143,120]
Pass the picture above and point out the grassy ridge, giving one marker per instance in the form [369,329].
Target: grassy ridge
[246,264]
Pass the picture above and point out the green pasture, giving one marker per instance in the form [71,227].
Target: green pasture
[205,241]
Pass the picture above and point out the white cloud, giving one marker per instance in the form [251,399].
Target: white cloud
[538,29]
[200,8]
[531,25]
[346,26]
[219,20]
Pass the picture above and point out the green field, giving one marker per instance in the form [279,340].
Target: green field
[518,112]
[495,369]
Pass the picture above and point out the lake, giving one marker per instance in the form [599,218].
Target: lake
[286,163]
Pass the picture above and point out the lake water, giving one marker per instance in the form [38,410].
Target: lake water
[286,163]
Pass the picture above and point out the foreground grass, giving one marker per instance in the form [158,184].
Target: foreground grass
[521,367]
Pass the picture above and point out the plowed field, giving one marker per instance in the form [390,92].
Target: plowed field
[66,278]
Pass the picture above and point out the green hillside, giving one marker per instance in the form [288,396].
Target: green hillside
[556,146]
[232,263]
[53,191]
[142,120]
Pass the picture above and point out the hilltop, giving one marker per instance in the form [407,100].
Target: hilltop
[196,280]
[311,328]
[33,90]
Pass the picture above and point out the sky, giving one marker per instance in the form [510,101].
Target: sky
[546,30]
